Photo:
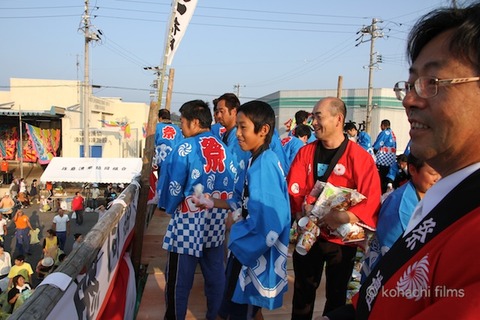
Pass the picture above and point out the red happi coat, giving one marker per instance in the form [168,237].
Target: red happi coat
[444,281]
[355,169]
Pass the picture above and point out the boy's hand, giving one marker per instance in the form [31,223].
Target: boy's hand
[203,202]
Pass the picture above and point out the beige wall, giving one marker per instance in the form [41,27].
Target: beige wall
[42,94]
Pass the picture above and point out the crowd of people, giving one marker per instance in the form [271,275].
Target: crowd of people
[20,273]
[18,278]
[228,185]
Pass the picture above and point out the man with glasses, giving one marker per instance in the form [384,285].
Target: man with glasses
[430,272]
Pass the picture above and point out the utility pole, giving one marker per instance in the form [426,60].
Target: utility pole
[373,63]
[89,36]
[168,98]
[339,87]
[237,87]
[21,138]
[86,81]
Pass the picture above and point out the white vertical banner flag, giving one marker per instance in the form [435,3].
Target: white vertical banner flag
[181,15]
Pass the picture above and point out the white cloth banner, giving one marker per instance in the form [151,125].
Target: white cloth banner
[92,170]
[182,13]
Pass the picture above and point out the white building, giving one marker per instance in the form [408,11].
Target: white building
[385,106]
[56,104]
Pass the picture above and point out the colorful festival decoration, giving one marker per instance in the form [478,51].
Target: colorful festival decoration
[124,126]
[45,142]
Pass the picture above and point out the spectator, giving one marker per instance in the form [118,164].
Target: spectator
[33,193]
[6,205]
[109,195]
[20,267]
[4,166]
[3,228]
[95,194]
[385,148]
[195,236]
[15,294]
[14,188]
[354,169]
[22,232]
[78,207]
[61,257]
[61,225]
[5,266]
[49,188]
[44,267]
[51,244]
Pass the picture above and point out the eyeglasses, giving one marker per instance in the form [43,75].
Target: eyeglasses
[427,87]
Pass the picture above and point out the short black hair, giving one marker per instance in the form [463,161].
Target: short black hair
[302,130]
[260,113]
[301,116]
[349,126]
[20,257]
[164,114]
[231,101]
[414,161]
[402,158]
[465,39]
[197,109]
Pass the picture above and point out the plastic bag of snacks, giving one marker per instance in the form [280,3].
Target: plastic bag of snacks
[337,198]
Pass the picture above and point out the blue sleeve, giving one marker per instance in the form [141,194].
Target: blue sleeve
[174,178]
[378,143]
[268,211]
[389,226]
[392,172]
[276,146]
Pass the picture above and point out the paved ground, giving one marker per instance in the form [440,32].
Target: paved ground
[42,220]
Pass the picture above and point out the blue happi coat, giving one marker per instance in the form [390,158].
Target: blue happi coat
[385,147]
[260,241]
[200,159]
[393,219]
[167,136]
[240,157]
[291,145]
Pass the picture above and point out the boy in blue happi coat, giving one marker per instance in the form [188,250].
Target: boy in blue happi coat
[195,236]
[256,268]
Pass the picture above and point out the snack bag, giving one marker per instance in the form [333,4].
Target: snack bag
[339,198]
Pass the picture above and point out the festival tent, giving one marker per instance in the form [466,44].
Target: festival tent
[92,170]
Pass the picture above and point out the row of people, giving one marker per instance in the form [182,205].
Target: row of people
[426,273]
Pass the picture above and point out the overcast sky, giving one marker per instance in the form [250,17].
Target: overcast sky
[262,46]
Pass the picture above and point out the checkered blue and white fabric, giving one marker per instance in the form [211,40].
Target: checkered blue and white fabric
[189,233]
[385,159]
[386,145]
